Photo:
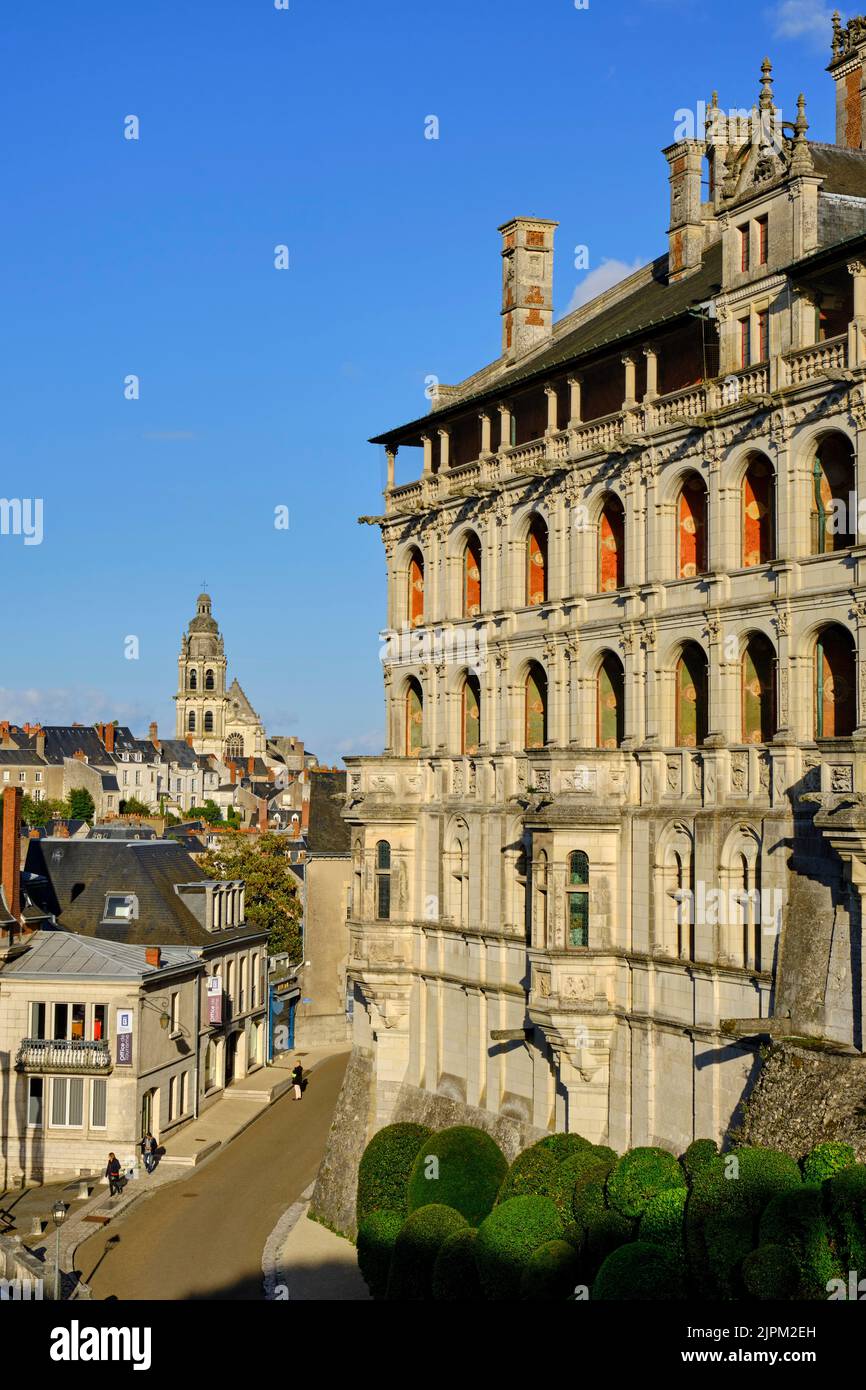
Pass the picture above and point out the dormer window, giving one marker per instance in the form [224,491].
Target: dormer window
[120,907]
[124,757]
[138,757]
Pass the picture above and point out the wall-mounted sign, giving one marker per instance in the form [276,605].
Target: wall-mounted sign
[214,999]
[124,1037]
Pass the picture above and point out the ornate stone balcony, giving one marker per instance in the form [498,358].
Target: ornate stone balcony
[63,1055]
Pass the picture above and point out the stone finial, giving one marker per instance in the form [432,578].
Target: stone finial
[801,159]
[713,119]
[766,98]
[837,33]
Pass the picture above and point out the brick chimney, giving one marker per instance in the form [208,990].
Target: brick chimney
[233,773]
[80,755]
[11,851]
[263,814]
[62,831]
[5,738]
[40,743]
[686,230]
[527,283]
[108,738]
[847,70]
[189,739]
[154,735]
[153,956]
[251,763]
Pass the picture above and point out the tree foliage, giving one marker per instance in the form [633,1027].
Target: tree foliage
[272,901]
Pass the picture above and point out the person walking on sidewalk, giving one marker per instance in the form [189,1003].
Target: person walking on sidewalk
[148,1151]
[298,1080]
[112,1172]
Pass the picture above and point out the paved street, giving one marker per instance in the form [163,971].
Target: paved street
[203,1237]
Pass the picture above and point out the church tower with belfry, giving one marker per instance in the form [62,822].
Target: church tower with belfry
[213,719]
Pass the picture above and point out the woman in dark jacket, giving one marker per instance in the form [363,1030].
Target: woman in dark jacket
[112,1172]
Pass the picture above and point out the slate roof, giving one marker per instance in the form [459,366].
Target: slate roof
[843,171]
[21,757]
[63,741]
[328,833]
[80,873]
[177,750]
[55,954]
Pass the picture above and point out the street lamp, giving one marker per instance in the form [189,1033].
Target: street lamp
[58,1216]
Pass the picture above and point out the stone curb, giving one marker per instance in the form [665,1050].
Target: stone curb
[273,1272]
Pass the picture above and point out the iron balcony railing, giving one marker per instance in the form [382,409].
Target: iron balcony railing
[63,1054]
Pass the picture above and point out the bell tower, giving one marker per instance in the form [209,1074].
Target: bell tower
[201,689]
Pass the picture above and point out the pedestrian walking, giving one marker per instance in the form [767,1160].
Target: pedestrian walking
[298,1080]
[112,1172]
[148,1151]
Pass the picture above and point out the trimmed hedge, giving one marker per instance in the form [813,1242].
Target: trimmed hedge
[377,1235]
[722,1212]
[455,1273]
[845,1204]
[508,1237]
[416,1250]
[561,1146]
[699,1153]
[551,1273]
[534,1171]
[798,1221]
[383,1173]
[471,1167]
[771,1272]
[826,1160]
[663,1219]
[639,1176]
[640,1271]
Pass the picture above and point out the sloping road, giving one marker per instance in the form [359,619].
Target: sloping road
[203,1236]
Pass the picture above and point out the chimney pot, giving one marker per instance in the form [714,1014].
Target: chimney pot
[11,850]
[527,283]
[152,956]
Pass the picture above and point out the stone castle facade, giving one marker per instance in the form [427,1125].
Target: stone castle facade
[618,831]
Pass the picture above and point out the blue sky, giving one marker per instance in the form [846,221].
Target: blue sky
[259,387]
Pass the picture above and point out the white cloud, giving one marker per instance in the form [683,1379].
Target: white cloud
[803,19]
[370,742]
[66,706]
[608,273]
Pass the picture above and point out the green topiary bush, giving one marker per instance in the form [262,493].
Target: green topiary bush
[663,1220]
[533,1172]
[796,1219]
[771,1272]
[467,1174]
[383,1173]
[845,1204]
[587,1201]
[640,1271]
[727,1197]
[826,1160]
[699,1152]
[638,1176]
[551,1273]
[508,1237]
[416,1249]
[377,1234]
[455,1273]
[561,1146]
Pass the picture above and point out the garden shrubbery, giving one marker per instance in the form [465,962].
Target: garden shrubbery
[569,1216]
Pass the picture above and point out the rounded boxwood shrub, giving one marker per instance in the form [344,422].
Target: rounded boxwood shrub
[638,1176]
[604,1234]
[551,1273]
[561,1146]
[699,1152]
[532,1172]
[826,1160]
[455,1273]
[416,1248]
[383,1173]
[640,1270]
[377,1234]
[771,1272]
[587,1202]
[467,1174]
[722,1212]
[663,1219]
[797,1220]
[845,1204]
[508,1237]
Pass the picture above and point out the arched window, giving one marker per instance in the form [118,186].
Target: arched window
[471,715]
[383,881]
[459,861]
[691,697]
[541,900]
[208,721]
[208,680]
[536,561]
[190,721]
[834,505]
[357,881]
[415,599]
[676,902]
[758,690]
[692,528]
[611,546]
[577,895]
[193,680]
[610,688]
[536,708]
[414,718]
[235,746]
[472,577]
[759,512]
[835,683]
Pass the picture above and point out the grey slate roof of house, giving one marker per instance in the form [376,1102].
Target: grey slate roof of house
[327,832]
[177,750]
[64,740]
[24,757]
[62,953]
[80,873]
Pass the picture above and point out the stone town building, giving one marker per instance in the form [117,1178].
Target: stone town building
[621,802]
[220,720]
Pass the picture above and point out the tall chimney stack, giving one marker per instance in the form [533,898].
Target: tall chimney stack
[527,283]
[11,851]
[847,70]
[686,230]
